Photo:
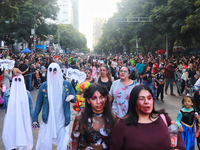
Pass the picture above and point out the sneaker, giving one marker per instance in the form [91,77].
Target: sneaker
[162,100]
[165,93]
[156,98]
[172,94]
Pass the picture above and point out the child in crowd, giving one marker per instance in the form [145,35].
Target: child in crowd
[160,80]
[185,122]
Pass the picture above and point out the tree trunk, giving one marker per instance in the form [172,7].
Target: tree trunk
[171,44]
[149,46]
[143,46]
[29,45]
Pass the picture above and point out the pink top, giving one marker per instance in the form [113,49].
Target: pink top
[94,72]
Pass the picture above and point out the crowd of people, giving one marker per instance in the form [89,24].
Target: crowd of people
[119,110]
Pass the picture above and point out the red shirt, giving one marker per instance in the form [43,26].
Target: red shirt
[155,69]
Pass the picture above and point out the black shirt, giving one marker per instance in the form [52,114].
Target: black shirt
[147,74]
[106,84]
[190,73]
[23,67]
[160,77]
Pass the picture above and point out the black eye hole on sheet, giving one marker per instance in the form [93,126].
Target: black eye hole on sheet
[55,70]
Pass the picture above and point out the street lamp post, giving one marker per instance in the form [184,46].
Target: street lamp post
[34,38]
[59,36]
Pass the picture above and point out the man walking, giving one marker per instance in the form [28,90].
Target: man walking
[169,77]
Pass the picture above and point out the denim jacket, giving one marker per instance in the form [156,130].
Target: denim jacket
[42,100]
[6,96]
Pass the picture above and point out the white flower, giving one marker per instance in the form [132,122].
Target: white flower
[76,134]
[89,148]
[98,142]
[103,132]
[104,145]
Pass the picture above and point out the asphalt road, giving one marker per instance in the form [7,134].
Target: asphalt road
[172,104]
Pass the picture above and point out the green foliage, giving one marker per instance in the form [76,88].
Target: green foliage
[9,8]
[33,12]
[71,38]
[180,19]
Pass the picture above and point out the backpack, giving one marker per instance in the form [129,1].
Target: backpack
[132,75]
[149,79]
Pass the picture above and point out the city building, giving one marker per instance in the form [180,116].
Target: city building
[65,14]
[75,14]
[98,23]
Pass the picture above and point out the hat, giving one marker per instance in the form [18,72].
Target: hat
[56,57]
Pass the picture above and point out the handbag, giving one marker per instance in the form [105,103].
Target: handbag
[183,77]
[1,102]
[43,74]
[149,79]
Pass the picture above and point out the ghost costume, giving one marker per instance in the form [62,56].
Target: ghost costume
[53,129]
[17,131]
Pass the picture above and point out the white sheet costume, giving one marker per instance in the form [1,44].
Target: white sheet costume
[54,131]
[17,131]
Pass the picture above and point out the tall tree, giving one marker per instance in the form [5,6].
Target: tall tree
[34,12]
[71,38]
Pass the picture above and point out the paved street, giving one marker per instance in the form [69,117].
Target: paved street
[172,105]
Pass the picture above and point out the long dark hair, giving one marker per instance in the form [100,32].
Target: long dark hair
[107,69]
[197,100]
[88,113]
[132,115]
[145,68]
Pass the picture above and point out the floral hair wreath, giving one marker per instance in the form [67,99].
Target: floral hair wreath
[80,87]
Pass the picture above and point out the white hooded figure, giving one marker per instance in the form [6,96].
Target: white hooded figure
[17,131]
[54,95]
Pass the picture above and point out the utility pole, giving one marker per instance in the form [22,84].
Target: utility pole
[59,33]
[136,44]
[133,19]
[34,38]
[167,54]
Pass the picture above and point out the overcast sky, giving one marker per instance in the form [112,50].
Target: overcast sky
[94,8]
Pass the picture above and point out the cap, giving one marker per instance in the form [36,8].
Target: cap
[56,57]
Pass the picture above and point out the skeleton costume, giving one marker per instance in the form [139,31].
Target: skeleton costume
[55,120]
[17,132]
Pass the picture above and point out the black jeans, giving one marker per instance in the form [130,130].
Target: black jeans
[26,79]
[160,89]
[169,81]
[35,79]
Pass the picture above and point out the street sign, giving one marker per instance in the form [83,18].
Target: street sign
[32,31]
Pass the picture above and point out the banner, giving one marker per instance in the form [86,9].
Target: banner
[76,75]
[41,47]
[6,64]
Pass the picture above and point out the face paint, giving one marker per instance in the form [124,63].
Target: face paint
[94,97]
[149,97]
[97,102]
[54,74]
[144,103]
